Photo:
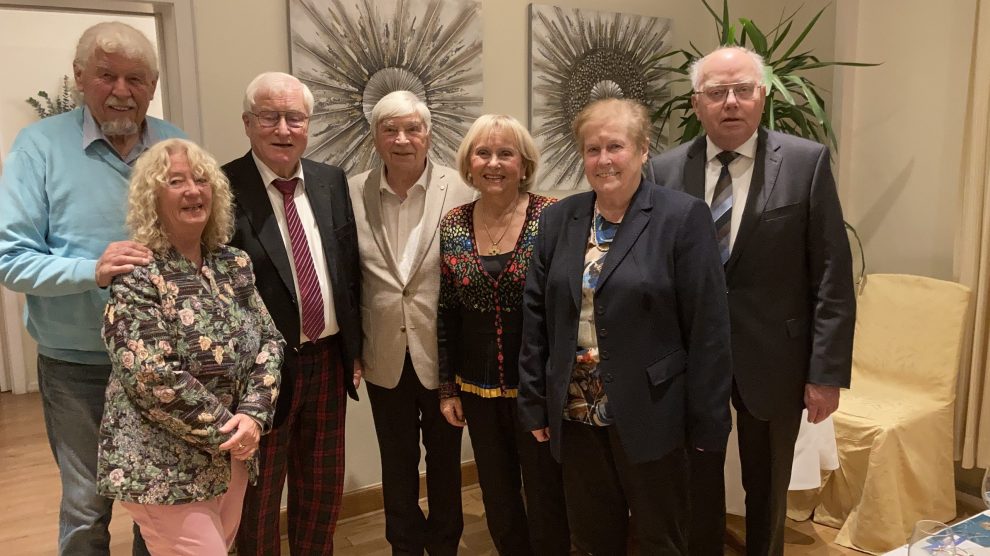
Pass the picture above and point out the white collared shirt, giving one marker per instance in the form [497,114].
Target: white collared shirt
[741,170]
[403,220]
[308,221]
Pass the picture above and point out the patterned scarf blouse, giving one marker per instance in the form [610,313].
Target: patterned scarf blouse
[189,347]
[480,316]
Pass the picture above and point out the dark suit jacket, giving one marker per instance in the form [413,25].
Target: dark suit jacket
[789,276]
[256,232]
[661,317]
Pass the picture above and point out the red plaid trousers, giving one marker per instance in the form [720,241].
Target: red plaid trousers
[309,445]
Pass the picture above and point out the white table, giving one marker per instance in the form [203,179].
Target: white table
[814,451]
[964,529]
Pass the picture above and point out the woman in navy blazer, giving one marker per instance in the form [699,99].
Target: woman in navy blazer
[625,359]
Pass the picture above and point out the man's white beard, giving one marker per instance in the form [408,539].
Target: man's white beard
[112,128]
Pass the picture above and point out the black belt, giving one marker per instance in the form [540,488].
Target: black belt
[326,341]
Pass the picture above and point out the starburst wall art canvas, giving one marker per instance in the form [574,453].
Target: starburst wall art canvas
[578,56]
[352,53]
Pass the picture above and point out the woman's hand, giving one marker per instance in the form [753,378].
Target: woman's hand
[358,373]
[541,435]
[452,411]
[246,436]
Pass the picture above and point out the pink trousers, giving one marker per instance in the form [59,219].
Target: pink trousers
[204,528]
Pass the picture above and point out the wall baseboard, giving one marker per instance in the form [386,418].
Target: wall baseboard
[369,499]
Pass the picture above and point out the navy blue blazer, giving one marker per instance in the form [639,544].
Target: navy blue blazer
[791,295]
[661,316]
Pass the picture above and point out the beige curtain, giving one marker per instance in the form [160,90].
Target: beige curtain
[972,257]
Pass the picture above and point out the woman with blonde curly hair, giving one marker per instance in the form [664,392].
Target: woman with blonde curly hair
[195,359]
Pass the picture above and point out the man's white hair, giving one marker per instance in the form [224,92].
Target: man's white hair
[276,83]
[758,64]
[114,37]
[399,103]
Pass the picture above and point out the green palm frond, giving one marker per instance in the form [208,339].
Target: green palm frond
[794,104]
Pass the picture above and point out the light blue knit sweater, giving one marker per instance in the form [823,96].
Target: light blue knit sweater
[60,206]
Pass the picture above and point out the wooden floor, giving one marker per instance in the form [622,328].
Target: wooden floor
[29,495]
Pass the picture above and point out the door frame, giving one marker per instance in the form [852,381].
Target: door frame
[180,103]
[180,96]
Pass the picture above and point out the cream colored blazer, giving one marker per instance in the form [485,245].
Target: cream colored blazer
[397,315]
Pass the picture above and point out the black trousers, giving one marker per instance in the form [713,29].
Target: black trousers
[139,548]
[401,414]
[706,532]
[501,450]
[766,451]
[603,488]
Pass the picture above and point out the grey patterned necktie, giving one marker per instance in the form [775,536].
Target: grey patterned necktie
[722,204]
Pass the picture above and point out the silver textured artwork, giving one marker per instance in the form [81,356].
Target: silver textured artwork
[578,56]
[352,54]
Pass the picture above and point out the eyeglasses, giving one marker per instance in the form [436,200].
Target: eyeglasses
[719,93]
[271,118]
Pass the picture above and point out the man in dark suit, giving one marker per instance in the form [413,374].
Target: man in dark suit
[789,281]
[294,219]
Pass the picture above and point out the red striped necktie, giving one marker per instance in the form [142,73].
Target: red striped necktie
[309,286]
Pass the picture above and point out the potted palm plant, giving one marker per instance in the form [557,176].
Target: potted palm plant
[794,103]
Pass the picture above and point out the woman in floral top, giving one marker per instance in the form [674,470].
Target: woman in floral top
[195,358]
[485,248]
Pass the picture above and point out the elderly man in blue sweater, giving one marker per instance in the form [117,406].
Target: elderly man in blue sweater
[63,198]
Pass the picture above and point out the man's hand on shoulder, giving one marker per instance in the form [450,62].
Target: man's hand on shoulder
[120,257]
[821,401]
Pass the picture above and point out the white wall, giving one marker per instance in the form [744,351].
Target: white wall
[39,60]
[228,60]
[900,154]
[237,39]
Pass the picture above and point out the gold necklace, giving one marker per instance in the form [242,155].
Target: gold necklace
[512,209]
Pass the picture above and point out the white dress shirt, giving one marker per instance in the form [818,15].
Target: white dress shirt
[308,222]
[403,220]
[741,170]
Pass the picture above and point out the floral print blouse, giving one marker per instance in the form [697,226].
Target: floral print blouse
[480,316]
[587,401]
[189,348]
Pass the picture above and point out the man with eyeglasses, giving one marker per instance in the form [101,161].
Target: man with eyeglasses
[789,281]
[294,220]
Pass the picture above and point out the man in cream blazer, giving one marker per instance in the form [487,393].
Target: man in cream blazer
[398,207]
